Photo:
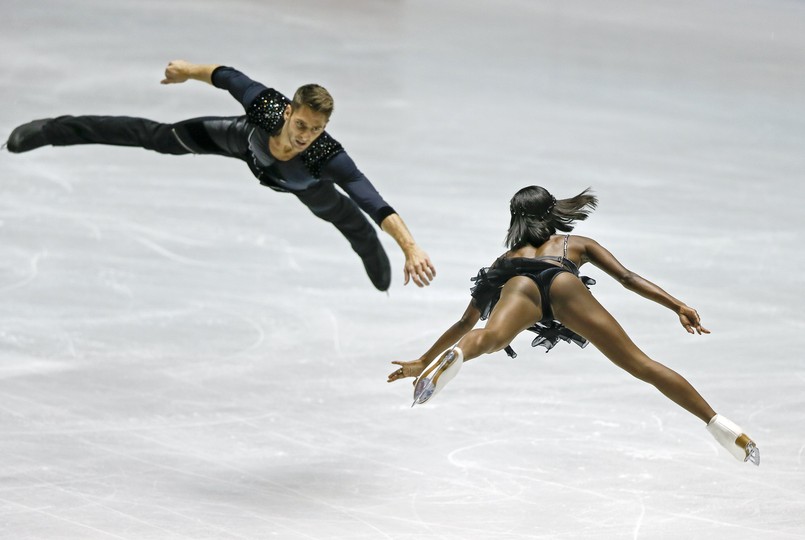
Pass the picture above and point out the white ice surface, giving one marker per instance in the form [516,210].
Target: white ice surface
[187,355]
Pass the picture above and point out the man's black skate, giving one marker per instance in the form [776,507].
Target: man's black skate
[27,137]
[378,268]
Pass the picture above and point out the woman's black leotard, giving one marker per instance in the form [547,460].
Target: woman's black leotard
[542,270]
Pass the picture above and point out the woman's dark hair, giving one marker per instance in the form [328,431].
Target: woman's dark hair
[536,215]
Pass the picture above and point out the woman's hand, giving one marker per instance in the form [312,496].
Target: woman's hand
[690,320]
[407,369]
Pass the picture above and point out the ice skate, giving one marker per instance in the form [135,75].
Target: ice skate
[27,137]
[731,436]
[443,369]
[378,267]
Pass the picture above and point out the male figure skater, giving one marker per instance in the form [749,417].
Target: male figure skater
[282,141]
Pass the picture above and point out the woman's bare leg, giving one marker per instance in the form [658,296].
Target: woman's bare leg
[577,309]
[518,308]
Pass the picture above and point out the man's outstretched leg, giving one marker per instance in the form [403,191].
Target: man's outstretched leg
[330,205]
[176,139]
[112,130]
[28,137]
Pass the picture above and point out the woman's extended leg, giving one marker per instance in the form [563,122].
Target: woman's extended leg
[577,309]
[518,308]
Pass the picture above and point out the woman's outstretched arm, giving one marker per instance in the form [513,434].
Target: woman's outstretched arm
[603,259]
[449,338]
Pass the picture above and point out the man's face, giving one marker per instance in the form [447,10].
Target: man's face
[302,126]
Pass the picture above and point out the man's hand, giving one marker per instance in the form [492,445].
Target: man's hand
[417,262]
[178,71]
[418,267]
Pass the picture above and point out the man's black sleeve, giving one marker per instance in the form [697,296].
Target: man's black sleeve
[343,171]
[239,85]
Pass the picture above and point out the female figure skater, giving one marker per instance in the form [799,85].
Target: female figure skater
[535,285]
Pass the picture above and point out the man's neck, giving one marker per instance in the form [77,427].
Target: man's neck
[282,151]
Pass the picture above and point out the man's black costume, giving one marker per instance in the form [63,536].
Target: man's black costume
[311,175]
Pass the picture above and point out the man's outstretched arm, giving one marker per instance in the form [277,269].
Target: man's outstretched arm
[178,71]
[241,87]
[417,263]
[342,170]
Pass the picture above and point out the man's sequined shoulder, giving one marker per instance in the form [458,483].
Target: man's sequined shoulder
[320,152]
[266,110]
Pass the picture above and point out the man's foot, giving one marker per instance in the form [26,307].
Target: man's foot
[378,268]
[731,436]
[27,136]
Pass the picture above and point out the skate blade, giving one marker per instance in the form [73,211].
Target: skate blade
[423,391]
[446,368]
[751,451]
[753,454]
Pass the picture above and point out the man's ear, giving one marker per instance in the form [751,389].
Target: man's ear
[287,112]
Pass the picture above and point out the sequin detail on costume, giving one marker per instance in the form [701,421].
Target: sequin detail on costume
[266,112]
[320,152]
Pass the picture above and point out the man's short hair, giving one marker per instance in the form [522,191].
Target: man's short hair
[315,97]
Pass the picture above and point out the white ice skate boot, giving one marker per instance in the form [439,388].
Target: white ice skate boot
[444,369]
[731,436]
